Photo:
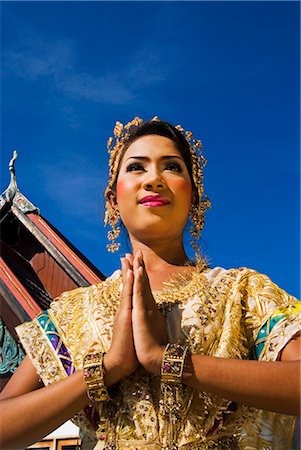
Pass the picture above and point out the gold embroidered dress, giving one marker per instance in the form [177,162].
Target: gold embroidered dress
[236,313]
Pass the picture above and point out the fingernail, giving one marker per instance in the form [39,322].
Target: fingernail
[127,255]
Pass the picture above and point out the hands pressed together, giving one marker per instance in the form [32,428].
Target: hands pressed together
[139,330]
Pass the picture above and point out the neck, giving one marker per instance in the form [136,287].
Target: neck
[161,255]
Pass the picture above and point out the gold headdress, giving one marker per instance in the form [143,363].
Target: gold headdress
[116,145]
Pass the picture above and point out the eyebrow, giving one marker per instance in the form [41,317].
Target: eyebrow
[146,158]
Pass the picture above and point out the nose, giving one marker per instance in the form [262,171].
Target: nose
[153,180]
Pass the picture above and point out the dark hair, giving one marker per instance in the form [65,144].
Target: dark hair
[165,129]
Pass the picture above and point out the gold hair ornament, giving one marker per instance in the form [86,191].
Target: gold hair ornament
[197,210]
[115,147]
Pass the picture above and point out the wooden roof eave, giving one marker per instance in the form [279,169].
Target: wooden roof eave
[65,249]
[49,246]
[16,295]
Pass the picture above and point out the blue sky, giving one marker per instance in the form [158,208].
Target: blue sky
[229,71]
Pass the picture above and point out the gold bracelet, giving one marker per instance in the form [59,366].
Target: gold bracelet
[173,363]
[94,377]
[172,402]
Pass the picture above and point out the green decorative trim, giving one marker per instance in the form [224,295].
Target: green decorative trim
[11,353]
[266,329]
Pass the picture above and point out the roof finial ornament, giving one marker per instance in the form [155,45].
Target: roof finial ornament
[12,195]
[12,188]
[12,163]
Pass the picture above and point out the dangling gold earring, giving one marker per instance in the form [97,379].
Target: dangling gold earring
[196,216]
[112,218]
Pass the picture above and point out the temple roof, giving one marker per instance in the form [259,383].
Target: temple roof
[37,262]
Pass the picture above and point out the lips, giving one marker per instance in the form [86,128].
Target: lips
[154,200]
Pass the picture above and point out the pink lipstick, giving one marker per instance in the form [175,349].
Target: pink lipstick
[154,201]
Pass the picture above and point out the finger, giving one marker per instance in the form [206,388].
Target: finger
[124,266]
[137,262]
[137,288]
[145,284]
[145,279]
[130,258]
[127,292]
[127,264]
[123,270]
[142,286]
[127,281]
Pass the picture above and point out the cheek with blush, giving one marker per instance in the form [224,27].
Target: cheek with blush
[183,187]
[123,189]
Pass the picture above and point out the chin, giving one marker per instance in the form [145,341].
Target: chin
[153,225]
[155,232]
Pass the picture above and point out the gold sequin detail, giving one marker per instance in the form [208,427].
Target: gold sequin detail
[215,312]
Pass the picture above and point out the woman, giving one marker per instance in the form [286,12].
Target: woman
[163,353]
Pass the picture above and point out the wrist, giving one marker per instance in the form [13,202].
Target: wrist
[113,371]
[155,362]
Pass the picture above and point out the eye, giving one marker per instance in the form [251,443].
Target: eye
[173,166]
[135,167]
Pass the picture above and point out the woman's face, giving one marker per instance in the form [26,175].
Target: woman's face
[153,189]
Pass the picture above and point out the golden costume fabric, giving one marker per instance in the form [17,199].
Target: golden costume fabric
[236,313]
